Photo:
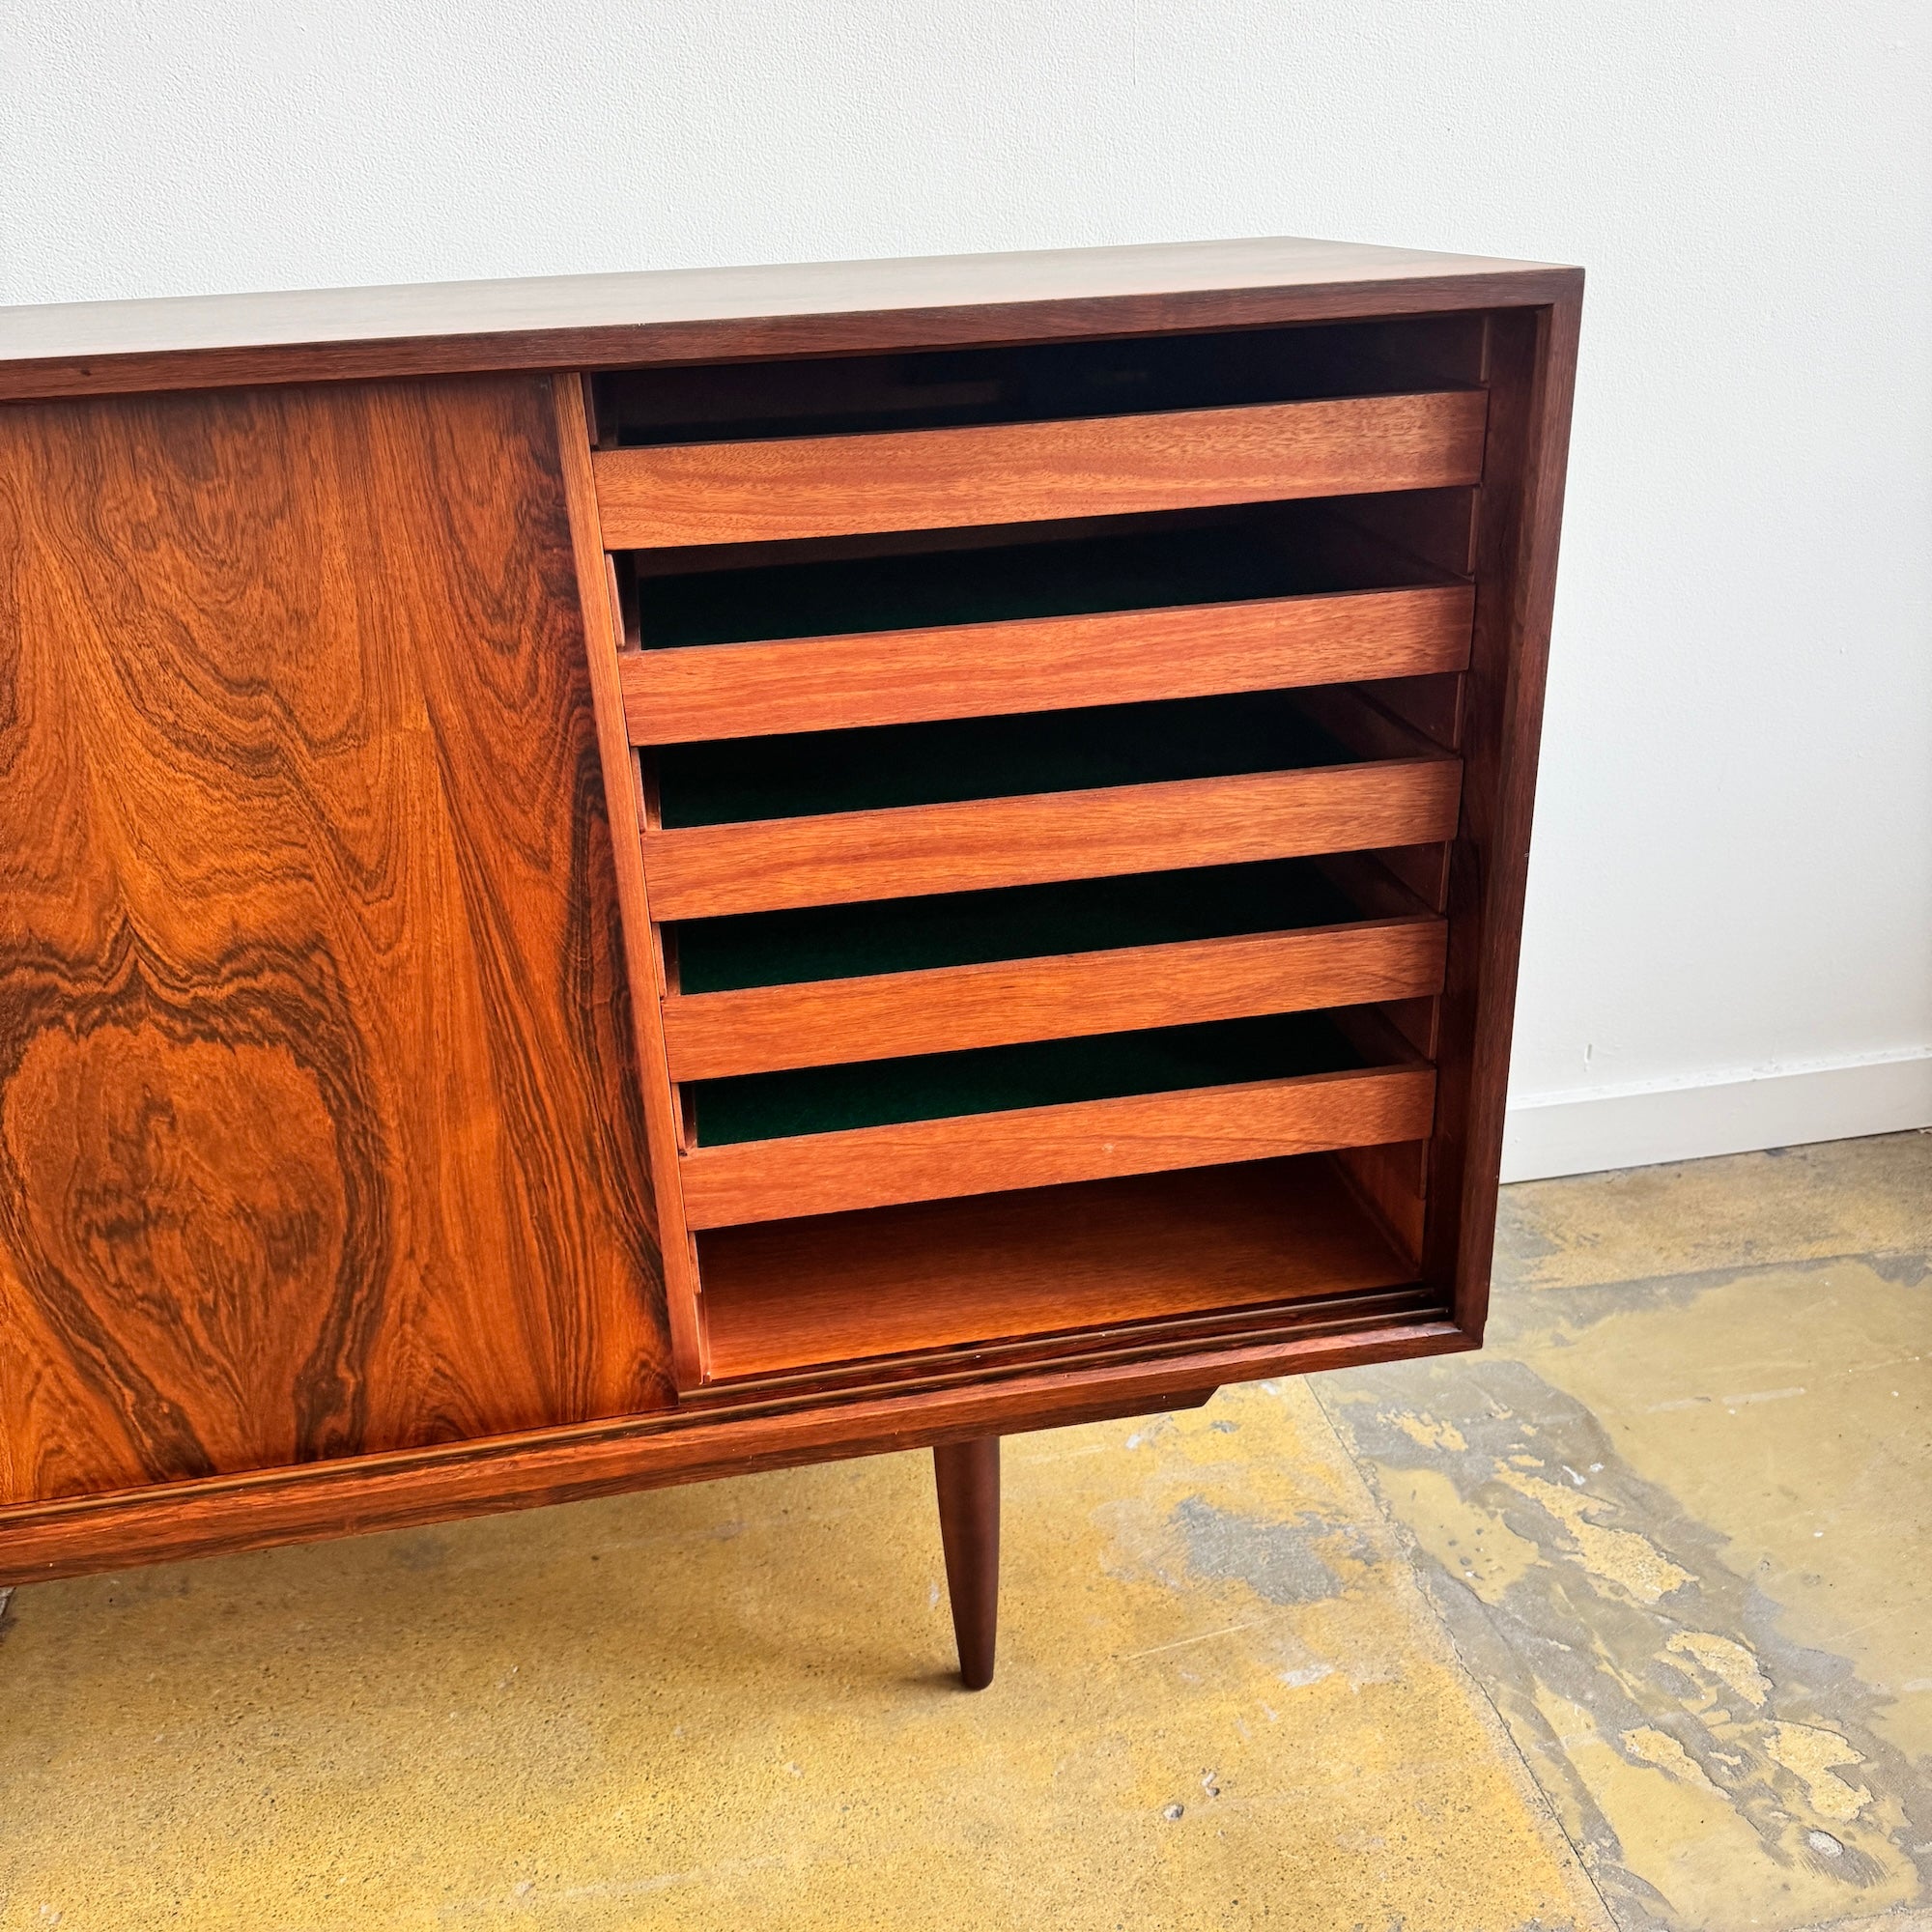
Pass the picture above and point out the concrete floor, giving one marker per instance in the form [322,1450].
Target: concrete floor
[1625,1623]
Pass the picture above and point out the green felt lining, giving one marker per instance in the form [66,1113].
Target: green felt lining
[804,774]
[1054,1072]
[772,948]
[1154,569]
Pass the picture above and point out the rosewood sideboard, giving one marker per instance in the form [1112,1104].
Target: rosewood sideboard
[627,878]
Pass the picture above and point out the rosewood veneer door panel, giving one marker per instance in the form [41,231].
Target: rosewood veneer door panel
[319,1123]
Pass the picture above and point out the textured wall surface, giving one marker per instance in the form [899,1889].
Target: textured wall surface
[1734,866]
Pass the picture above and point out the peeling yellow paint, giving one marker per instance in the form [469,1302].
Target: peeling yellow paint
[1822,1498]
[1735,1720]
[1620,1557]
[1661,1749]
[1726,1659]
[1686,1839]
[1809,1754]
[1429,1432]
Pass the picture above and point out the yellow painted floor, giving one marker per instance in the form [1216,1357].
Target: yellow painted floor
[1625,1623]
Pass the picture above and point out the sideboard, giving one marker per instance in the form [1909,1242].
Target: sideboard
[620,879]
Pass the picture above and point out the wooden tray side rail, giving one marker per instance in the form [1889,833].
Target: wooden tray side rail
[601,629]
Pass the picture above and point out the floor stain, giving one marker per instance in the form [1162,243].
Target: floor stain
[1680,1526]
[1223,1701]
[1280,1562]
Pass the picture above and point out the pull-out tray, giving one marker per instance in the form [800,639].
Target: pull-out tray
[1041,664]
[834,858]
[822,486]
[926,1160]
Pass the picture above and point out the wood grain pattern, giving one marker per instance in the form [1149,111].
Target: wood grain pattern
[1042,664]
[525,1472]
[1392,1181]
[623,795]
[319,1133]
[1532,374]
[699,871]
[941,1009]
[1052,1261]
[1041,1146]
[967,1478]
[1430,705]
[691,315]
[828,486]
[1423,869]
[312,996]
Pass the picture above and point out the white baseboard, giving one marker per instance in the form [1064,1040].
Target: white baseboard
[1587,1132]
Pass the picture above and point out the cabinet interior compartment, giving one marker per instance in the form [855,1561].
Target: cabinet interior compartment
[1109,1261]
[1050,902]
[715,594]
[884,767]
[1031,1074]
[904,978]
[946,389]
[778,637]
[952,929]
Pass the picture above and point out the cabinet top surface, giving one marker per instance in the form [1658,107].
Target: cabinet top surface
[694,314]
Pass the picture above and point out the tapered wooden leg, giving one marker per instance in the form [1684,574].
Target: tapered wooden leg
[968,1478]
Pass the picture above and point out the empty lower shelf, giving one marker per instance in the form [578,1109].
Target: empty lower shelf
[1105,1254]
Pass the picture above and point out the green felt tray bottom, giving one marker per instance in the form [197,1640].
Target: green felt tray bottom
[881,767]
[775,948]
[1055,1072]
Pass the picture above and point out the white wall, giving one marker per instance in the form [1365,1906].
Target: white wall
[1733,871]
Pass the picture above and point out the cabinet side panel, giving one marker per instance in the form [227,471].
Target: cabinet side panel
[1531,374]
[319,1124]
